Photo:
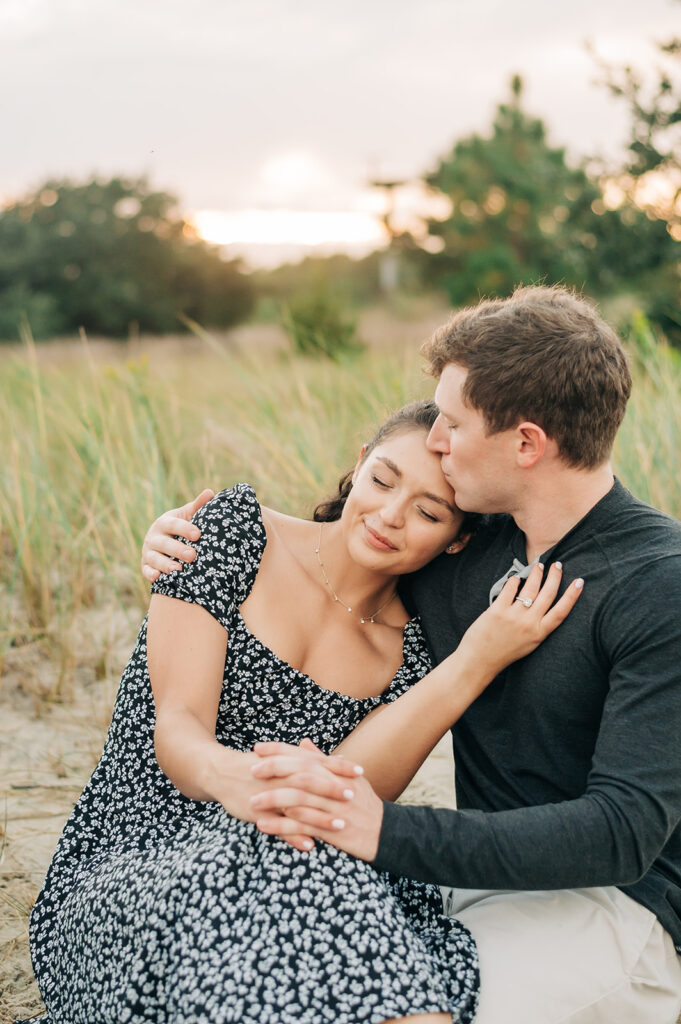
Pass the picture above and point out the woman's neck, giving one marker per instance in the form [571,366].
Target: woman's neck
[358,588]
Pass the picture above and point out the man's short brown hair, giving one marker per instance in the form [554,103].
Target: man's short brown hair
[543,355]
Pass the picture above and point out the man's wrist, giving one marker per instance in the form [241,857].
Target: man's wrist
[384,832]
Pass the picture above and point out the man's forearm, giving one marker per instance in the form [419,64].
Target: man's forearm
[574,844]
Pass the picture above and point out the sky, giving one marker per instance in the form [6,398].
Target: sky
[262,116]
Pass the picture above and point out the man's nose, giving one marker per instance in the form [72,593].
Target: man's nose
[438,438]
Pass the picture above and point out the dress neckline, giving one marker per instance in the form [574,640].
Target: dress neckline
[406,632]
[313,682]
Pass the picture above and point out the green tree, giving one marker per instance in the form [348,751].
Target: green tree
[650,176]
[521,214]
[654,144]
[109,256]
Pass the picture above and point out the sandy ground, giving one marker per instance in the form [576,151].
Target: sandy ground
[47,754]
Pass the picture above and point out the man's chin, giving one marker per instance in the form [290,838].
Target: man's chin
[464,503]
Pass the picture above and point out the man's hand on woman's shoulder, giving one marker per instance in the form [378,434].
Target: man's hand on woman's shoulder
[161,551]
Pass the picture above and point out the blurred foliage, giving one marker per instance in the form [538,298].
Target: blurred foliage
[521,214]
[112,257]
[654,130]
[355,282]
[651,175]
[316,325]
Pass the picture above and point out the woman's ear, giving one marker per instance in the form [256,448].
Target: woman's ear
[362,453]
[458,544]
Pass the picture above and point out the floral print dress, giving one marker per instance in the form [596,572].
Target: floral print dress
[158,908]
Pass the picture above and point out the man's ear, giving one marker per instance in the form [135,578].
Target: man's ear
[458,544]
[362,453]
[531,441]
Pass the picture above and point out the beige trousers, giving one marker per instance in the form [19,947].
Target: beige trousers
[569,956]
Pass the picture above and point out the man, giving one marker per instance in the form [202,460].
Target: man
[564,856]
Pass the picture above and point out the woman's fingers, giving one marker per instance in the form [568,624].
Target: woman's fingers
[508,592]
[543,598]
[299,842]
[309,745]
[270,748]
[309,789]
[282,765]
[554,616]
[533,582]
[332,762]
[543,612]
[316,819]
[280,825]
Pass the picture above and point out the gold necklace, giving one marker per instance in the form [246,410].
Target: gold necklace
[362,618]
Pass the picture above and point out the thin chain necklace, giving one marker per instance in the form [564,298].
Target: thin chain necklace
[362,618]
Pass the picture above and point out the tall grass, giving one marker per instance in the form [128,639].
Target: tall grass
[94,451]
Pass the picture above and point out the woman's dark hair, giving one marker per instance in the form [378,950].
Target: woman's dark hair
[417,415]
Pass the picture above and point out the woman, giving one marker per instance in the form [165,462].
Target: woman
[158,905]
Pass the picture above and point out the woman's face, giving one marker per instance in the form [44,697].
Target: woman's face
[401,511]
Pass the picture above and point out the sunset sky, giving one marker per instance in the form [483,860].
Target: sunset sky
[268,118]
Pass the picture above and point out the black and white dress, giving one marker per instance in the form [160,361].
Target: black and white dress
[158,908]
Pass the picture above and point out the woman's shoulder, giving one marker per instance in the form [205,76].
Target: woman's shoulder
[228,552]
[232,528]
[234,512]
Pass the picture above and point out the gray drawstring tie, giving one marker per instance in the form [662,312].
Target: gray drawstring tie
[517,569]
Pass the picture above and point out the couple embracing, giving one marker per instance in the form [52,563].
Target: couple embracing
[238,855]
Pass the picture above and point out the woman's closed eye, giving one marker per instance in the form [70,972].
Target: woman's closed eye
[381,483]
[429,516]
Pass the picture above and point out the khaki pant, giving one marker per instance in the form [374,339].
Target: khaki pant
[583,956]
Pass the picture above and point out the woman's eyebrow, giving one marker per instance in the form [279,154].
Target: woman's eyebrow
[425,494]
[390,464]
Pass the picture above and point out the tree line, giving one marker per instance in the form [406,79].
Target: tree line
[114,256]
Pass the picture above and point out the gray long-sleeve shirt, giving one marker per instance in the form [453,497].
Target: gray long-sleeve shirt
[568,767]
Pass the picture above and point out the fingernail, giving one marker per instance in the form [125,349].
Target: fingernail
[348,793]
[358,770]
[558,565]
[338,823]
[307,844]
[254,769]
[540,565]
[579,584]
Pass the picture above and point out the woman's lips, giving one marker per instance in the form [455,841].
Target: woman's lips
[377,541]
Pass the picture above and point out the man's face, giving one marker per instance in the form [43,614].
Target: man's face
[480,467]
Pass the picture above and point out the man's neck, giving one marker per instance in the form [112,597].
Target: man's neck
[558,503]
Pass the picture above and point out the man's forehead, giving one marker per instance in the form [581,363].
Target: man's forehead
[449,387]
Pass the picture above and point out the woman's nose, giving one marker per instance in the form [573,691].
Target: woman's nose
[392,513]
[438,438]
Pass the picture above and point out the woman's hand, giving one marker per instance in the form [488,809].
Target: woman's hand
[516,623]
[239,779]
[161,551]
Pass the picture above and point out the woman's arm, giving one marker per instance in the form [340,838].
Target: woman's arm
[186,650]
[393,741]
